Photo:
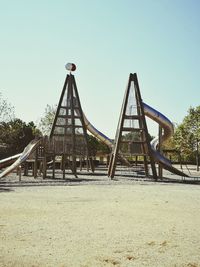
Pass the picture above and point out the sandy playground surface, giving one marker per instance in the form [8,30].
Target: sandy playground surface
[120,224]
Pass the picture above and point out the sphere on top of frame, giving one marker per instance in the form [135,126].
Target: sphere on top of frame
[70,67]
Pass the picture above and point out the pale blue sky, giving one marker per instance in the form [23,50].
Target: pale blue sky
[160,40]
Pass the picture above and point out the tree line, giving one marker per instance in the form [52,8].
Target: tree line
[15,134]
[187,136]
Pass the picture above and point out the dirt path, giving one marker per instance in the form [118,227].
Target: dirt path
[100,225]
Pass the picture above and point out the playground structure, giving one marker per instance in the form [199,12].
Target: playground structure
[68,138]
[132,137]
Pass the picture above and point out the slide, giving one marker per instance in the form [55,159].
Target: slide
[103,138]
[167,125]
[8,161]
[158,117]
[29,149]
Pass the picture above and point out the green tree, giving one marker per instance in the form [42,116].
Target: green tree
[187,135]
[15,135]
[46,121]
[93,144]
[96,146]
[6,110]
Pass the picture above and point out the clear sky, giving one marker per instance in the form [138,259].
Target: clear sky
[106,39]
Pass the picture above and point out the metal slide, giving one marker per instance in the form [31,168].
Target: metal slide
[29,149]
[158,117]
[8,161]
[103,138]
[99,135]
[167,125]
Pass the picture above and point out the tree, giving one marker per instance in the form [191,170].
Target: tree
[187,134]
[46,121]
[96,146]
[15,135]
[6,110]
[93,144]
[192,122]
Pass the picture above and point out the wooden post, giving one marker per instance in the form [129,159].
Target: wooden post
[146,166]
[160,169]
[87,164]
[143,123]
[44,166]
[80,163]
[63,165]
[180,160]
[44,160]
[197,155]
[107,160]
[40,167]
[70,88]
[25,168]
[92,167]
[35,164]
[53,167]
[19,172]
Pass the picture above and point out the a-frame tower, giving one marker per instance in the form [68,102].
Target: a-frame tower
[132,138]
[68,137]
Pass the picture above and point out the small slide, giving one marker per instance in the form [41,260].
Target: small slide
[8,161]
[29,149]
[158,117]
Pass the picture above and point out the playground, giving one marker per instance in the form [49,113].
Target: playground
[59,208]
[68,141]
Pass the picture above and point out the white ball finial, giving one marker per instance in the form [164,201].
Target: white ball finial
[70,67]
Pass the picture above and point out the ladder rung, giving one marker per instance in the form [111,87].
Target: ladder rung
[130,129]
[132,142]
[64,107]
[69,135]
[134,154]
[68,116]
[133,117]
[68,126]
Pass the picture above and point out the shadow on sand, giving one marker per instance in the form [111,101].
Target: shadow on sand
[5,189]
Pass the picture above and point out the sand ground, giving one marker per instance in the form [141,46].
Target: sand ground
[118,224]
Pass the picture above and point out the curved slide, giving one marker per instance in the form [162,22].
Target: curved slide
[29,149]
[158,117]
[167,125]
[99,135]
